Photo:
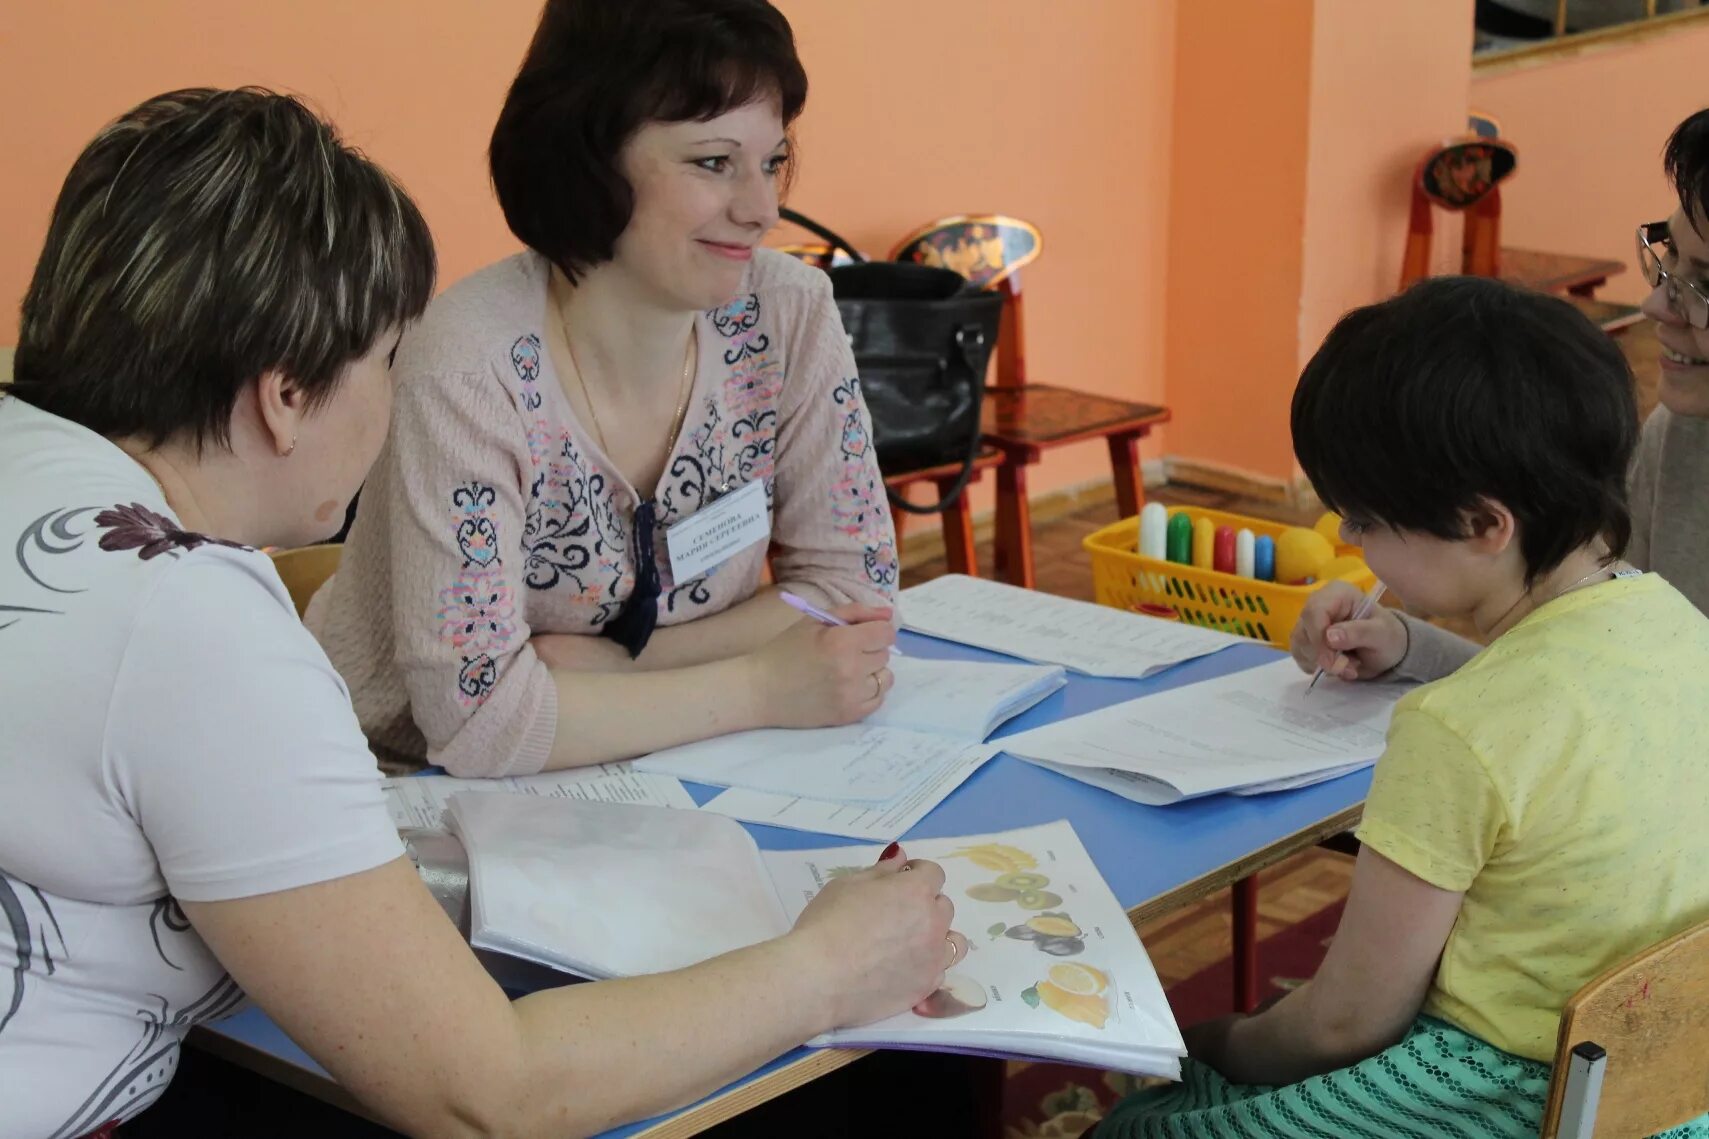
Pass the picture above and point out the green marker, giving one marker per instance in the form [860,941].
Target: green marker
[1180,537]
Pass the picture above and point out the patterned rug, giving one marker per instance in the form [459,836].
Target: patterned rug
[1058,1101]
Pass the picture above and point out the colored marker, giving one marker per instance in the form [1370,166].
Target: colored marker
[1222,552]
[1204,543]
[1243,553]
[1264,558]
[1154,531]
[1180,538]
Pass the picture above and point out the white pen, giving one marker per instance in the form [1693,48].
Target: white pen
[1365,609]
[801,605]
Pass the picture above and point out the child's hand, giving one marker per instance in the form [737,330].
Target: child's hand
[1325,636]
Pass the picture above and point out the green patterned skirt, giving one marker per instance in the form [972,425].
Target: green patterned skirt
[1438,1083]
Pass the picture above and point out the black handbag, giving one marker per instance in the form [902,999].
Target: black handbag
[921,338]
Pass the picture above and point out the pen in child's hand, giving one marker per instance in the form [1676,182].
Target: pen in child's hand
[1366,607]
[819,615]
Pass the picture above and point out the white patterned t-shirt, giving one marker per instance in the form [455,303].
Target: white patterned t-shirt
[172,732]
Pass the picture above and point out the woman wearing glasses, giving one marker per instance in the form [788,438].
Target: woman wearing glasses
[560,557]
[1670,511]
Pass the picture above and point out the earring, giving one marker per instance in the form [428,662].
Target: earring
[289,451]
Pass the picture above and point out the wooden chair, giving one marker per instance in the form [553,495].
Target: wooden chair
[305,570]
[1463,175]
[957,518]
[1023,419]
[1632,1057]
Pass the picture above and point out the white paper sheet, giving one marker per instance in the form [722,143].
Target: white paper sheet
[965,699]
[609,889]
[1092,639]
[419,801]
[876,822]
[859,763]
[1249,729]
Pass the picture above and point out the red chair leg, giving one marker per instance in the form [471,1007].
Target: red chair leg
[1246,943]
[1014,526]
[958,532]
[1124,467]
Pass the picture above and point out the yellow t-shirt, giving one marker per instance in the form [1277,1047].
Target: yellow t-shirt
[1561,780]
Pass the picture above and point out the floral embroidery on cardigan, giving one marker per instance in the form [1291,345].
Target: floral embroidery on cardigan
[857,498]
[570,529]
[477,610]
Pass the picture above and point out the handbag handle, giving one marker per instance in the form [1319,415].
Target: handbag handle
[818,230]
[962,335]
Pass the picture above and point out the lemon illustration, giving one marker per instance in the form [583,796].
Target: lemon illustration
[1086,1008]
[1079,979]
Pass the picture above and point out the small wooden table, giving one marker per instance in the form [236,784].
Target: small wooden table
[1026,420]
[1557,272]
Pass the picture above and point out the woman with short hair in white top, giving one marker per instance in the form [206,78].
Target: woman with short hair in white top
[188,810]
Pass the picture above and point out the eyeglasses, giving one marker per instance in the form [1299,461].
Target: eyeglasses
[1655,244]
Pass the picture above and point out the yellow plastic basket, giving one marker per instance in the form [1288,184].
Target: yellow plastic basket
[1262,610]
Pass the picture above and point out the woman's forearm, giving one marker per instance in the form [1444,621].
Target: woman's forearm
[635,1048]
[607,716]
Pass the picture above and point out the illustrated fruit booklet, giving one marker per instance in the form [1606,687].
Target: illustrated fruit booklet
[1054,969]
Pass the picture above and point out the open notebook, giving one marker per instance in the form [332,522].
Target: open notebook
[1248,732]
[1054,971]
[874,779]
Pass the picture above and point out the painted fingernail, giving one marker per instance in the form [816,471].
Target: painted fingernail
[890,852]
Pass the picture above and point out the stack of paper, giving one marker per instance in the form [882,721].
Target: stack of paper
[1093,639]
[1248,732]
[418,802]
[874,779]
[1054,971]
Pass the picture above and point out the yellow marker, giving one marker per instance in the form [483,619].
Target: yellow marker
[1204,543]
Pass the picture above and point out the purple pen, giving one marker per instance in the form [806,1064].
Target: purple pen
[802,606]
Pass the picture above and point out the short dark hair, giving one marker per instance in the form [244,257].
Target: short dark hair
[1686,160]
[1461,389]
[597,71]
[203,239]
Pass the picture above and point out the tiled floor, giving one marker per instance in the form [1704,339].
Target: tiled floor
[1181,944]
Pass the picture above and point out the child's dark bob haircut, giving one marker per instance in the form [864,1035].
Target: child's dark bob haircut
[1462,389]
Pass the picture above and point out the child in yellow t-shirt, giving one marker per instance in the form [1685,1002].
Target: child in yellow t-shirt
[1539,815]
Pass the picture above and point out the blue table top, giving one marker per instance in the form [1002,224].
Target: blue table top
[1142,851]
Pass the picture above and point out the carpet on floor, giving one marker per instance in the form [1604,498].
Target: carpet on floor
[1059,1101]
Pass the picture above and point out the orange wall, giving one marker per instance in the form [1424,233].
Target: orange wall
[1237,208]
[1590,129]
[917,110]
[1387,82]
[1296,131]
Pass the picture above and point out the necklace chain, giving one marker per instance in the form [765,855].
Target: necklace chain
[683,392]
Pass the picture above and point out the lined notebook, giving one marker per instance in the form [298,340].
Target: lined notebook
[1054,970]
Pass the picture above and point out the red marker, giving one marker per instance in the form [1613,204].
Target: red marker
[1222,558]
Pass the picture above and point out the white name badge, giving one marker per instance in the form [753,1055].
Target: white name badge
[709,536]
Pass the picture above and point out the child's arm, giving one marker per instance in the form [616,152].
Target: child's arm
[1371,985]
